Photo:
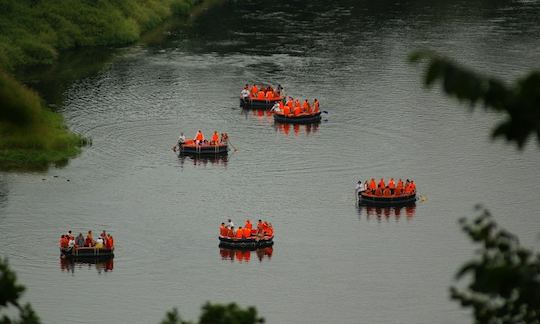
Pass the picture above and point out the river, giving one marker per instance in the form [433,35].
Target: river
[331,262]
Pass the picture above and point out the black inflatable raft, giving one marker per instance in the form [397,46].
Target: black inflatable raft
[245,243]
[368,199]
[86,252]
[203,149]
[300,119]
[258,103]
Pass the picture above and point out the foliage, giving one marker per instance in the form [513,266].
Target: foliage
[219,314]
[520,102]
[10,292]
[31,136]
[505,286]
[33,31]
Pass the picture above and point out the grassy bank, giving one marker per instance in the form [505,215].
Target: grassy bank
[34,32]
[31,136]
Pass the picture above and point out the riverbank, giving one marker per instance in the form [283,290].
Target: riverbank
[34,33]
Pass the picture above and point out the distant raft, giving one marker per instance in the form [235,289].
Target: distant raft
[368,199]
[302,118]
[246,243]
[259,103]
[87,252]
[190,148]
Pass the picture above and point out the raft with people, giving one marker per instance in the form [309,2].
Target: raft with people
[260,97]
[292,111]
[382,194]
[246,237]
[81,247]
[218,145]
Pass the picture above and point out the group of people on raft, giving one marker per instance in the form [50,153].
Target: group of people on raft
[390,189]
[262,93]
[262,231]
[292,107]
[104,241]
[199,139]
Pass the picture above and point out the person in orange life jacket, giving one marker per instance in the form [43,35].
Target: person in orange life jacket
[413,186]
[260,95]
[399,191]
[306,107]
[230,232]
[286,110]
[215,138]
[259,225]
[89,239]
[297,109]
[248,224]
[269,230]
[110,242]
[378,192]
[381,184]
[246,233]
[269,94]
[254,90]
[199,137]
[387,192]
[400,184]
[223,230]
[315,106]
[63,242]
[239,233]
[372,185]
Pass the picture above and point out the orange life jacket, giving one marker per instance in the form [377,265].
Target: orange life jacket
[199,137]
[230,232]
[398,191]
[246,233]
[316,106]
[248,225]
[378,192]
[254,90]
[215,137]
[281,106]
[391,184]
[260,95]
[297,110]
[286,110]
[387,192]
[269,231]
[400,184]
[239,233]
[372,185]
[223,230]
[269,94]
[381,184]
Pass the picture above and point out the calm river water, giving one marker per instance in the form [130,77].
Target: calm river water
[332,262]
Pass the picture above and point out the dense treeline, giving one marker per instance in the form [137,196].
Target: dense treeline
[33,32]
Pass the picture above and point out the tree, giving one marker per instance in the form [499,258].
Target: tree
[505,286]
[218,314]
[520,102]
[10,292]
[505,283]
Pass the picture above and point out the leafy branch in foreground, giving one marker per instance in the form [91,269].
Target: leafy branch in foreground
[218,314]
[519,101]
[10,292]
[505,285]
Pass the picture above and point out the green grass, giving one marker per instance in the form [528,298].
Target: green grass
[31,136]
[33,32]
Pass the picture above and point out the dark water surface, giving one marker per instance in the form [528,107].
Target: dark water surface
[331,262]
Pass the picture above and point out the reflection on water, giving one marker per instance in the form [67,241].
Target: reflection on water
[69,265]
[307,129]
[204,160]
[267,117]
[245,255]
[379,213]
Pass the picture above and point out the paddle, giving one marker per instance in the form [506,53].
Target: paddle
[229,141]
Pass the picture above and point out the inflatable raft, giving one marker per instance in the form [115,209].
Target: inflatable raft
[203,149]
[259,103]
[86,252]
[369,199]
[252,243]
[300,119]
